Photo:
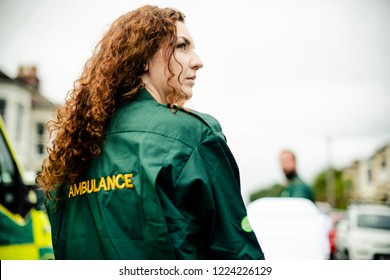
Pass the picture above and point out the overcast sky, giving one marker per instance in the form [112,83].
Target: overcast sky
[277,73]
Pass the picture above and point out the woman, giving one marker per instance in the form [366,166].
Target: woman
[132,175]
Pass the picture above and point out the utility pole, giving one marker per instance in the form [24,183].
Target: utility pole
[330,186]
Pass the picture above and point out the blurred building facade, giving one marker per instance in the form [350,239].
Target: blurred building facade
[25,113]
[369,180]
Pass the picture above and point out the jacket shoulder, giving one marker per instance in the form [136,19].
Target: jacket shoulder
[148,116]
[207,119]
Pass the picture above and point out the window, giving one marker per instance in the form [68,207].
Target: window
[10,180]
[40,129]
[383,173]
[7,168]
[374,221]
[19,122]
[40,149]
[369,176]
[3,105]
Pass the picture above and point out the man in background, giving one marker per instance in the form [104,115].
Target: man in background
[296,186]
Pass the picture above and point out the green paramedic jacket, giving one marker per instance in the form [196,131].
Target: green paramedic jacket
[166,186]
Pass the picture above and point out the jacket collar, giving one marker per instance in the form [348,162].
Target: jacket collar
[144,95]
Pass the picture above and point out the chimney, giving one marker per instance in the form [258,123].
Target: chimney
[28,76]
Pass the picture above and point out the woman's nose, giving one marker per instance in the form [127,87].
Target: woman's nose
[196,62]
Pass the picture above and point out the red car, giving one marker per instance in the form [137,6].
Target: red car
[335,217]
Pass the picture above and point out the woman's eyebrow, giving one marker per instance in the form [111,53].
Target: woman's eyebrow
[186,40]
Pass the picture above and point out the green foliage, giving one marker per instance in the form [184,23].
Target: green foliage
[319,189]
[273,191]
[319,186]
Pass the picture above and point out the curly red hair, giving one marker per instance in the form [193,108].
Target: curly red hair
[110,77]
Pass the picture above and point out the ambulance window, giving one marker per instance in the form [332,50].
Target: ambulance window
[7,175]
[2,108]
[7,167]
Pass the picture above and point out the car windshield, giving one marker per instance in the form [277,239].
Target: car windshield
[374,221]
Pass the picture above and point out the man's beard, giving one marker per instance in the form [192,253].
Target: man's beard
[290,174]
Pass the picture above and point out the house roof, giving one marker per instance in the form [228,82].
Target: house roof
[38,101]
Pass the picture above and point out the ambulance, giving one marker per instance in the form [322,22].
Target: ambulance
[24,225]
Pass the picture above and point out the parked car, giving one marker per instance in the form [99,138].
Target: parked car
[335,216]
[24,225]
[364,234]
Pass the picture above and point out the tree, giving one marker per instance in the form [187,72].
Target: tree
[320,184]
[273,191]
[319,187]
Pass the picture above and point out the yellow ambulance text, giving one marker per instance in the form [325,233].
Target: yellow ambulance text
[108,183]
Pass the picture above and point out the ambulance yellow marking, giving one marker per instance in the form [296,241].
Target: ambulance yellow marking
[107,183]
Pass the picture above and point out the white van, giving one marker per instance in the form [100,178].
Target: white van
[364,234]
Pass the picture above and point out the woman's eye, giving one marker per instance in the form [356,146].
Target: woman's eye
[182,46]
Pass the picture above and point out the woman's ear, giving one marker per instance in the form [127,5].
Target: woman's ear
[146,67]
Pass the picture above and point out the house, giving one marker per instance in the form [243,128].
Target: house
[369,180]
[350,175]
[25,113]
